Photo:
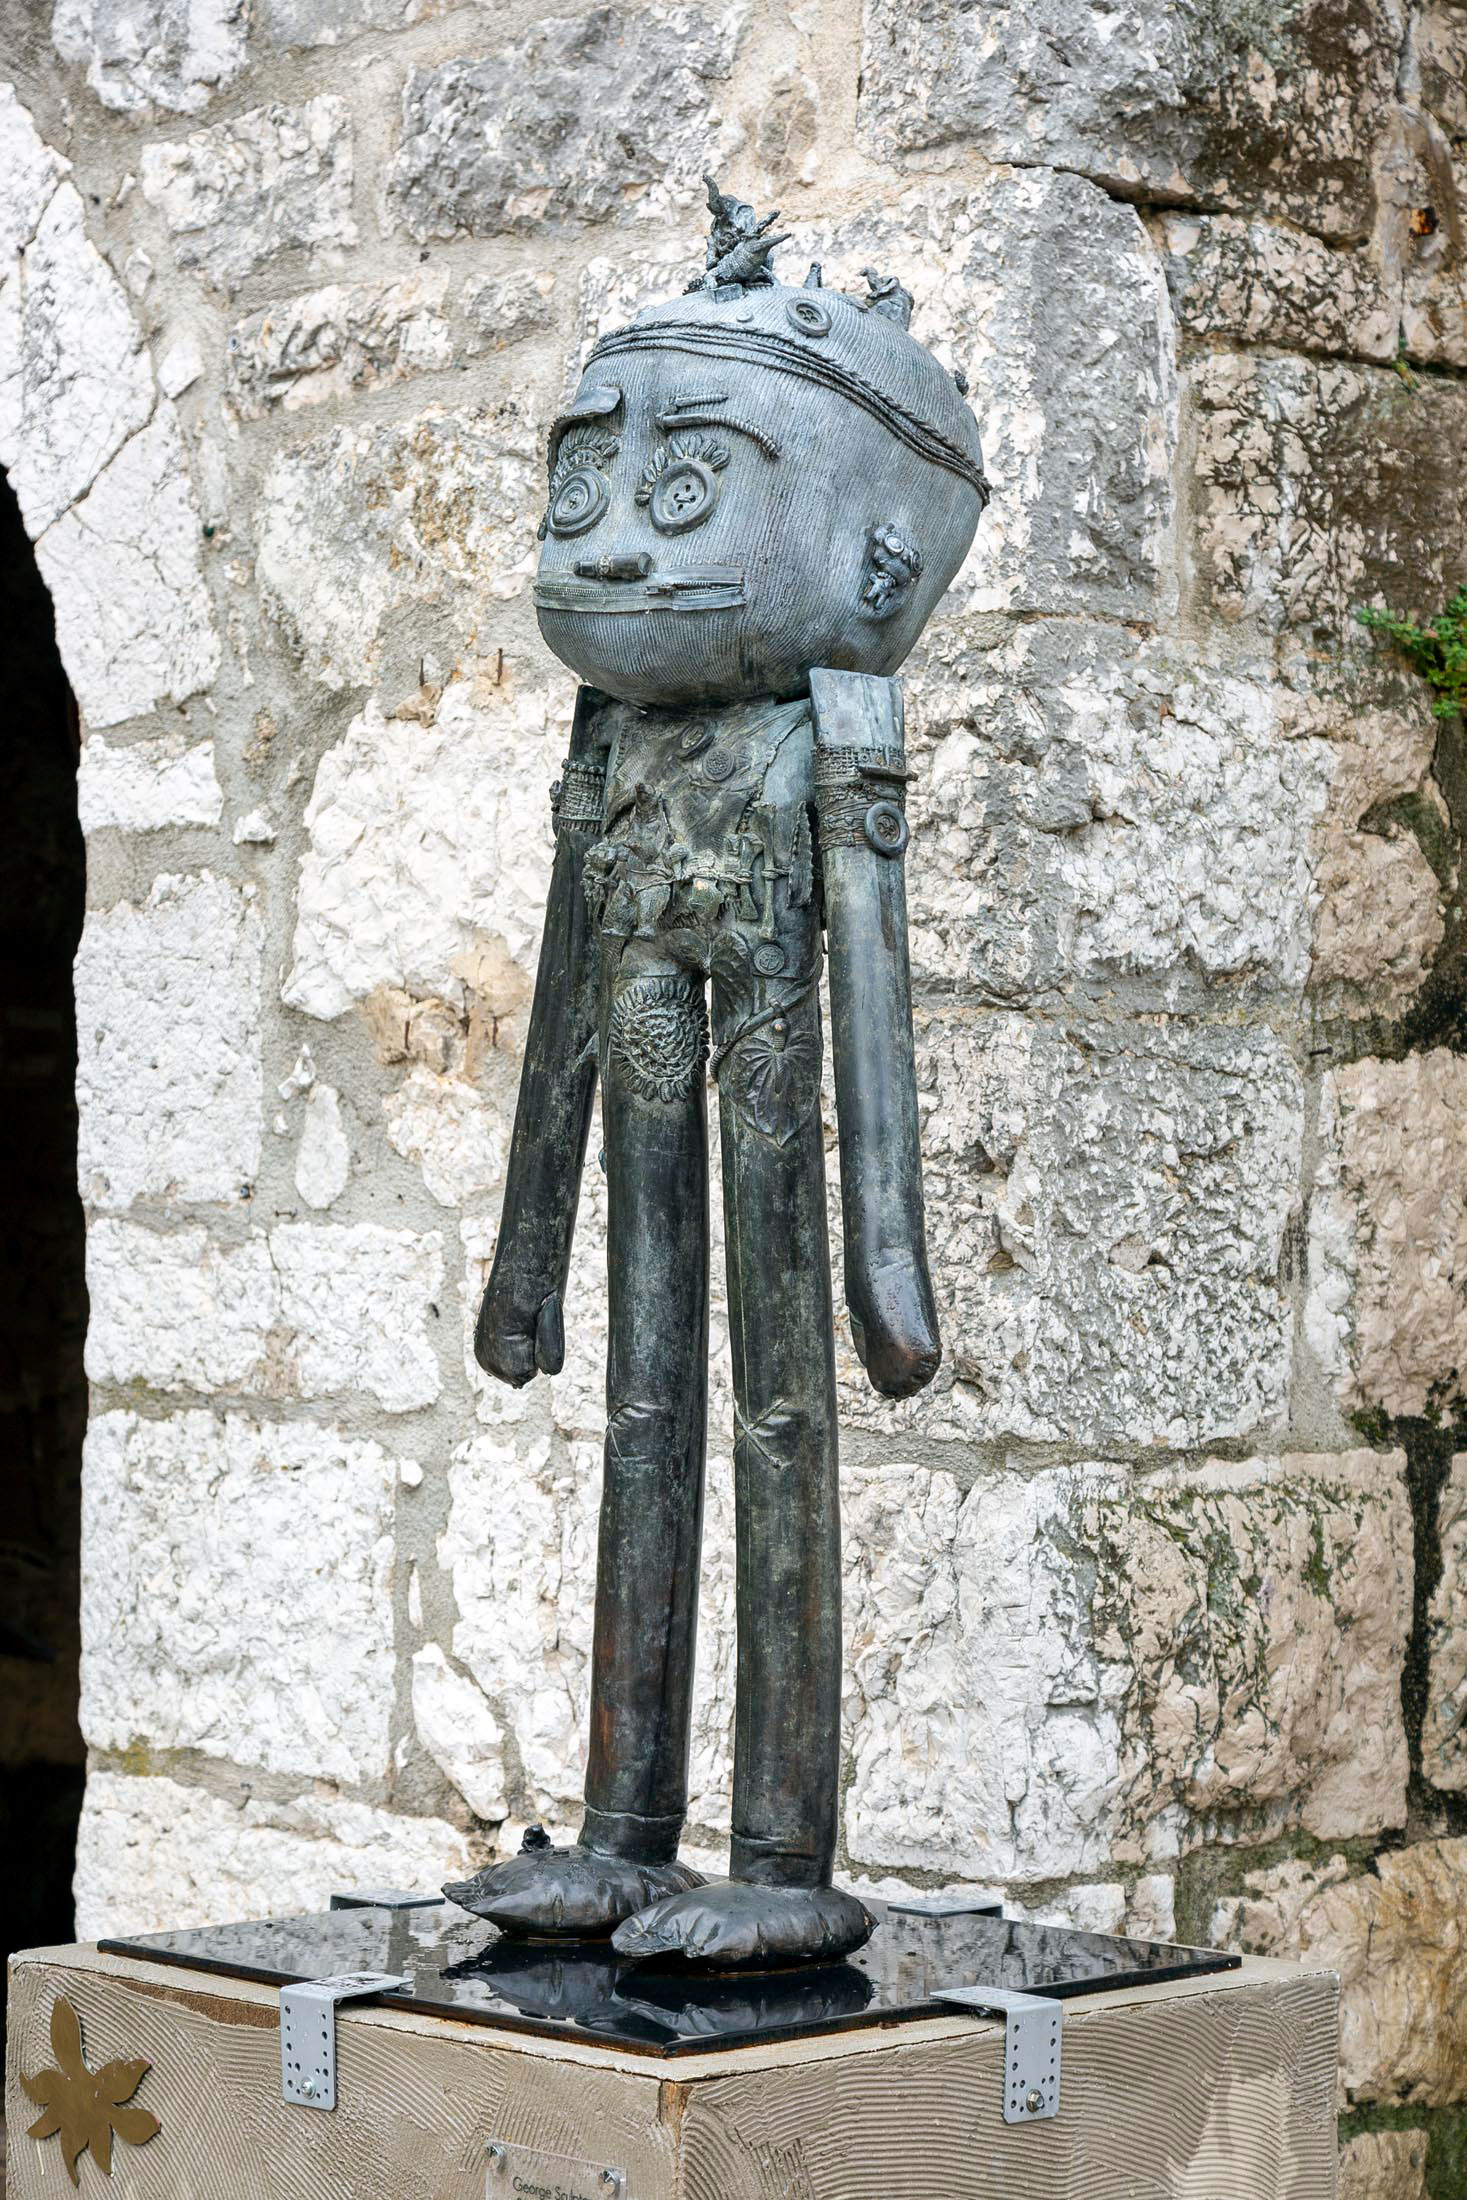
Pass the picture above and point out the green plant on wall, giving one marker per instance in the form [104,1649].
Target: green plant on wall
[1438,651]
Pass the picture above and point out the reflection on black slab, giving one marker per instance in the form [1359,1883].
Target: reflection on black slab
[453,1967]
[691,2006]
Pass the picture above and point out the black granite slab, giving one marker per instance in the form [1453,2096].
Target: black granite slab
[457,1966]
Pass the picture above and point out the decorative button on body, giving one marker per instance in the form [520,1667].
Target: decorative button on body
[886,829]
[718,765]
[809,317]
[693,740]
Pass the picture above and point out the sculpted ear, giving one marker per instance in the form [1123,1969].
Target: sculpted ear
[893,563]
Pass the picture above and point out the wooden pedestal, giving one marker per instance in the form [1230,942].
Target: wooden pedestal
[1215,2088]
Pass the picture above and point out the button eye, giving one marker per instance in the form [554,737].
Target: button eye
[684,496]
[578,502]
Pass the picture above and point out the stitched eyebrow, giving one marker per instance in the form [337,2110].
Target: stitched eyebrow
[700,412]
[597,405]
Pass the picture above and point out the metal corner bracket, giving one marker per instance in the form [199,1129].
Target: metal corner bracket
[1031,2048]
[308,2031]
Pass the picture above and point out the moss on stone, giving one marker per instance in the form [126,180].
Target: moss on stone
[1236,28]
[1446,2141]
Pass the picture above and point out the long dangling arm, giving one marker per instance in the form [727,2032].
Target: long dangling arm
[860,775]
[521,1328]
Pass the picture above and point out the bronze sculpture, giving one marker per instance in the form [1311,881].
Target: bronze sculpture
[757,497]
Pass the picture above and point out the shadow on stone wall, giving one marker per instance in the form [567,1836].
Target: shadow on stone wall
[43,1305]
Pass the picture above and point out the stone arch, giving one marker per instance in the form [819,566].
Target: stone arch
[93,450]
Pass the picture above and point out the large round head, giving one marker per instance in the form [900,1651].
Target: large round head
[751,481]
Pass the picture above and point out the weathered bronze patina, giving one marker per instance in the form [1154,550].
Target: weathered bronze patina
[757,497]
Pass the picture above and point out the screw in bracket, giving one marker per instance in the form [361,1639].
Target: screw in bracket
[1034,2100]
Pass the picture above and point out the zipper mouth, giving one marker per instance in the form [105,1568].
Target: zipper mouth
[683,588]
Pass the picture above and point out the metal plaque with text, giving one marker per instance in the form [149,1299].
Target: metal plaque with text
[527,2173]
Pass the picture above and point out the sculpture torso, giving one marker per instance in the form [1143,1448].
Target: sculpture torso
[703,812]
[706,854]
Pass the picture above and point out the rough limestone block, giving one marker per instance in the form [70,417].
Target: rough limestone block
[85,381]
[1059,1670]
[153,1854]
[333,22]
[614,287]
[1147,823]
[141,54]
[146,786]
[30,170]
[323,1157]
[614,112]
[1099,813]
[1048,297]
[437,512]
[1388,1234]
[459,1141]
[1396,1935]
[133,620]
[347,337]
[168,1045]
[178,1311]
[1152,99]
[425,843]
[503,309]
[460,1733]
[1384,2165]
[1444,1726]
[1114,1201]
[360,1301]
[78,427]
[1434,309]
[1318,485]
[237,1592]
[311,1311]
[1433,192]
[1378,903]
[1260,283]
[277,179]
[520,1549]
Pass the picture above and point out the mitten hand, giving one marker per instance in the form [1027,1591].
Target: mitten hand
[513,1341]
[894,1325]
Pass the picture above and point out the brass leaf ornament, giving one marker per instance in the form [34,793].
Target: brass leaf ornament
[85,2107]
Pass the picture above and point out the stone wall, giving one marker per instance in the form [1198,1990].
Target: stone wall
[1154,1602]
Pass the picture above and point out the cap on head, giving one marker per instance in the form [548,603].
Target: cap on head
[779,478]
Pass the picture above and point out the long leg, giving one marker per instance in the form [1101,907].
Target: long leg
[655,1122]
[779,1903]
[656,1131]
[787,1731]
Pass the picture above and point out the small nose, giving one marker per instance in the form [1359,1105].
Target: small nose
[634,568]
